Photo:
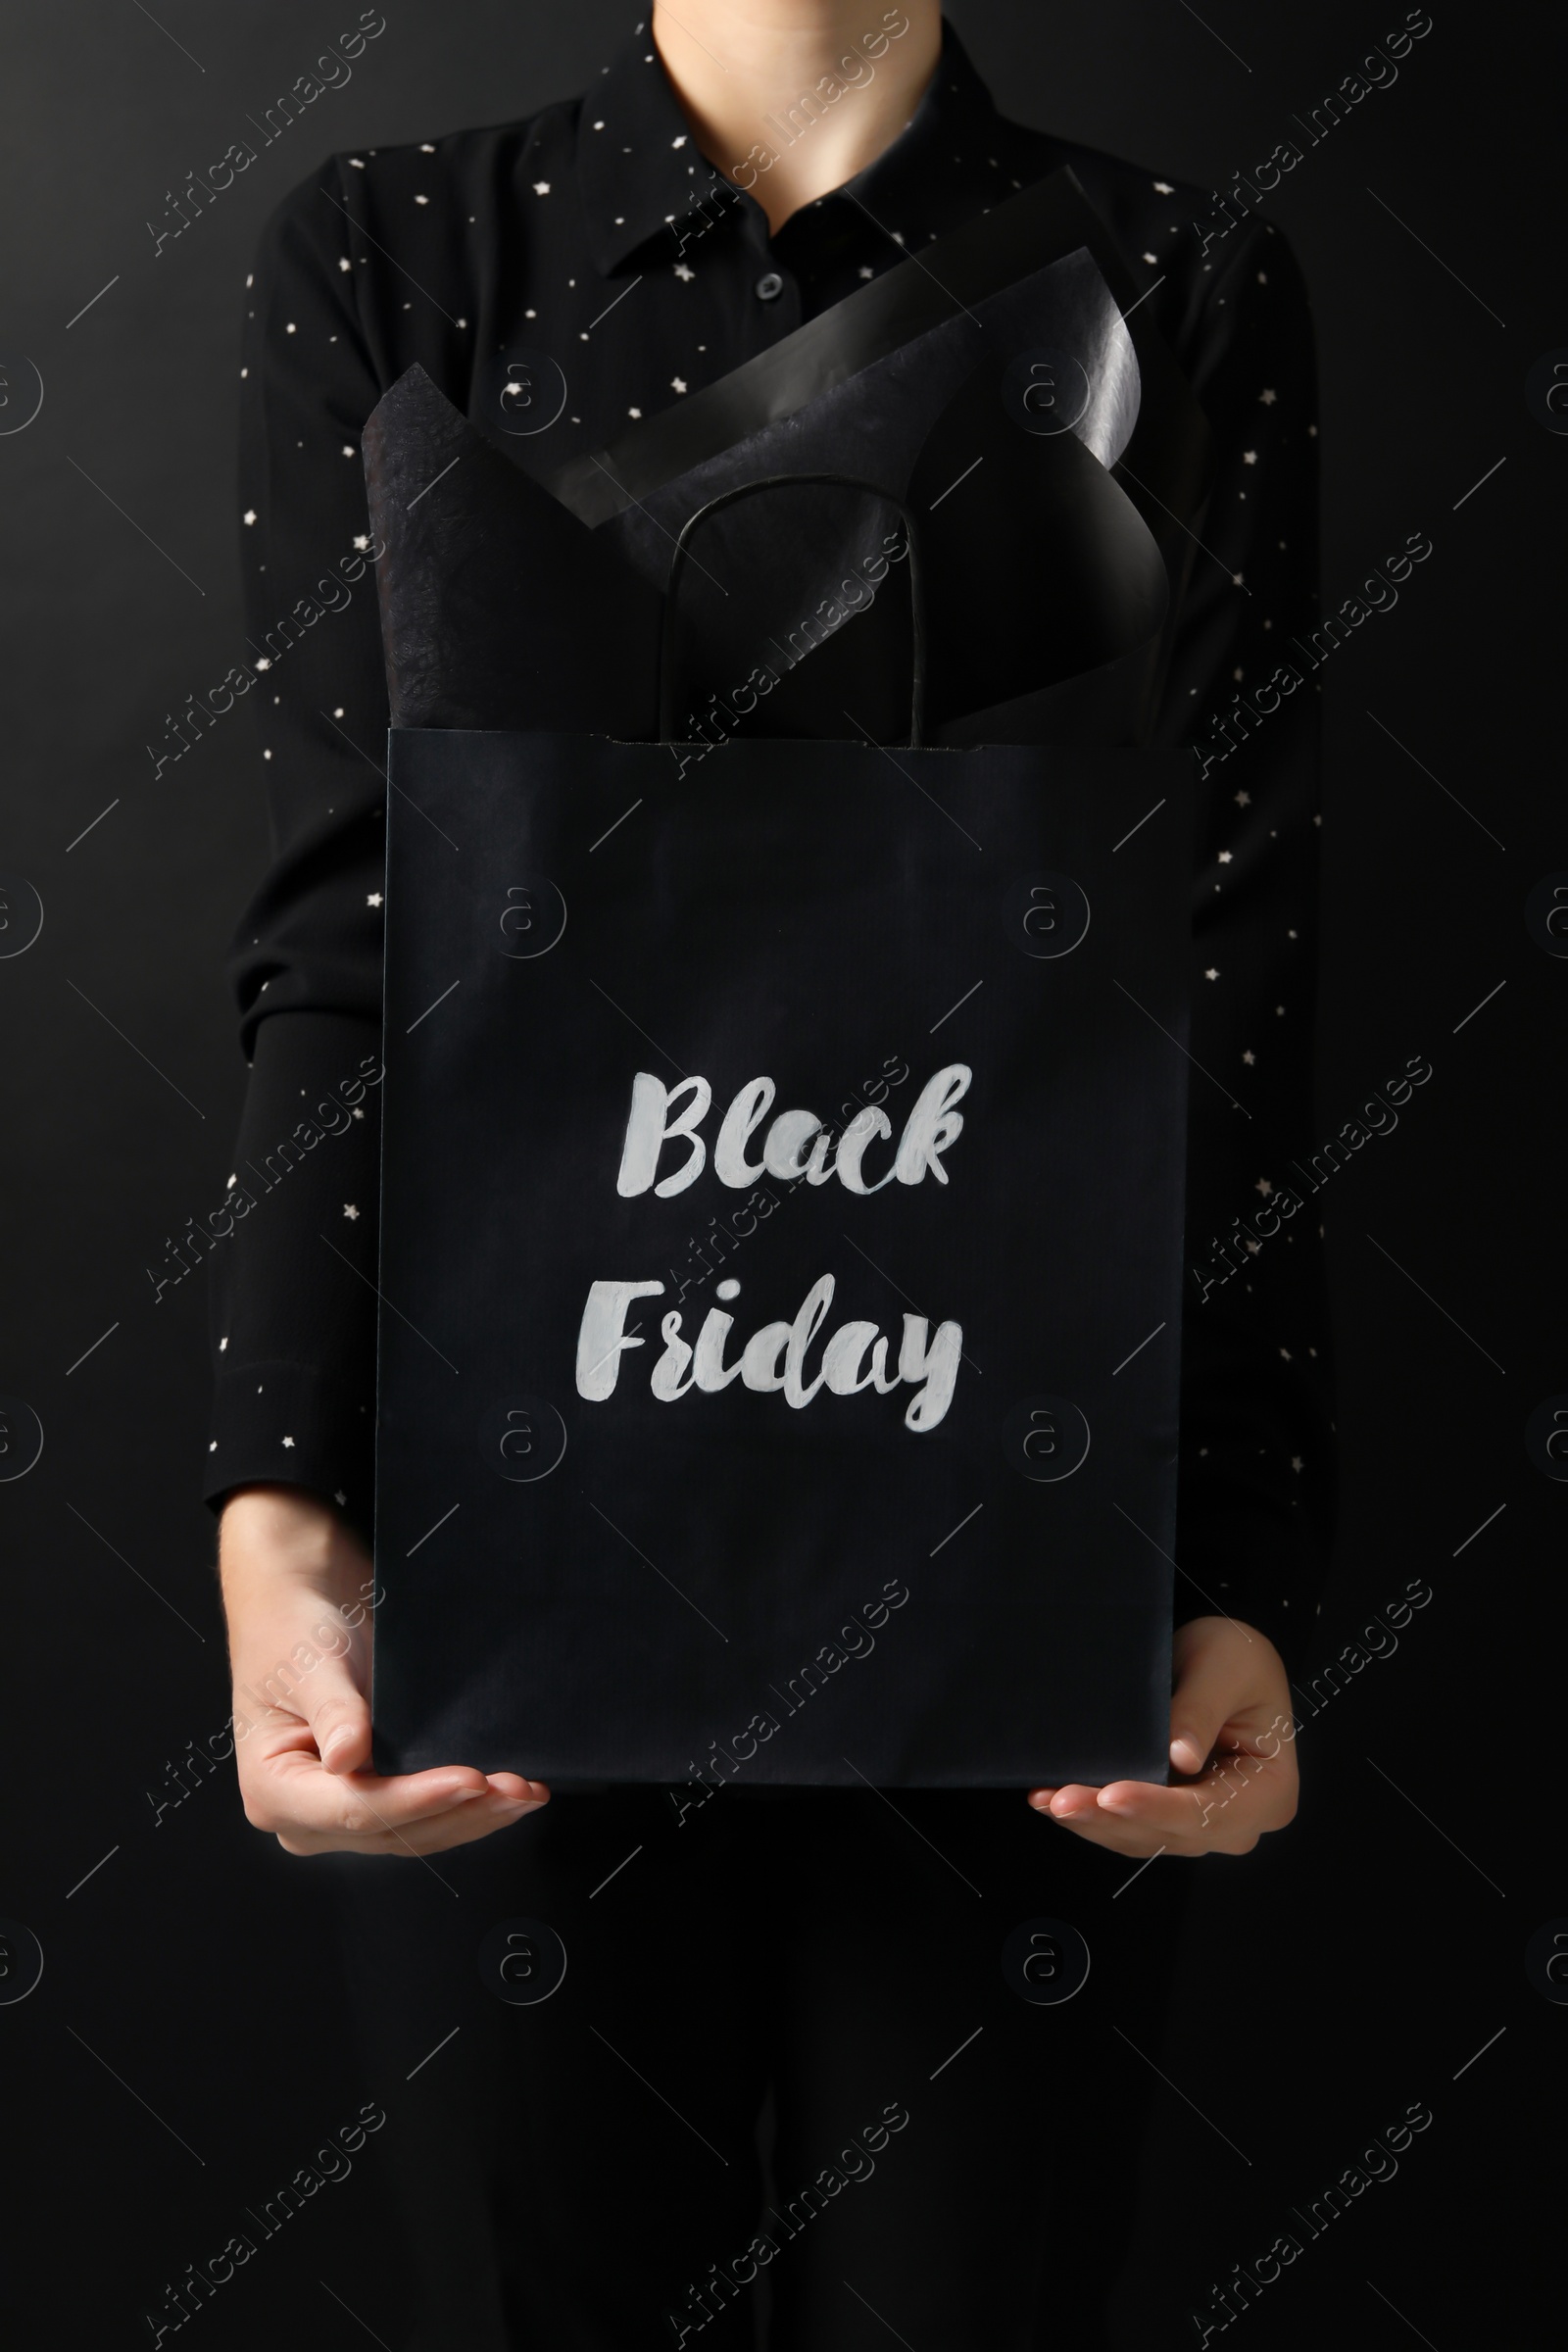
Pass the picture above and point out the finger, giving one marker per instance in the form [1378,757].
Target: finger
[1227,1811]
[462,1827]
[1221,1814]
[513,1784]
[301,1794]
[1133,1839]
[461,1824]
[1187,1813]
[1079,1808]
[1061,1803]
[327,1697]
[1129,1800]
[338,1713]
[1213,1684]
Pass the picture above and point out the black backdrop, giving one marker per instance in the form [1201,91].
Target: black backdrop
[1349,1967]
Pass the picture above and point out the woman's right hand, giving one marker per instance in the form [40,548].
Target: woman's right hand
[297,1591]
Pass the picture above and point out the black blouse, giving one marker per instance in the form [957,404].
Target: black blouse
[596,233]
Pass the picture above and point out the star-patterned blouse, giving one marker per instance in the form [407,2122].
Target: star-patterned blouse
[597,233]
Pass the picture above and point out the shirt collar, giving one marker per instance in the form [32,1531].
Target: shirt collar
[642,173]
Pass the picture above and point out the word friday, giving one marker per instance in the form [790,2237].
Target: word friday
[797,1146]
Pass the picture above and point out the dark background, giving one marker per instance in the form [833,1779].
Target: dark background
[1348,1968]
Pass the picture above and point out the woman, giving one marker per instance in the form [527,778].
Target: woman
[806,1990]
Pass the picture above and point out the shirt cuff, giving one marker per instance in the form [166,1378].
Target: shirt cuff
[293,1425]
[1264,1571]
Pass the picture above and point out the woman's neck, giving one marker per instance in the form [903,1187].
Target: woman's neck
[790,98]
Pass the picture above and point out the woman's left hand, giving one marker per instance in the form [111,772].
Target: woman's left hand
[1232,1746]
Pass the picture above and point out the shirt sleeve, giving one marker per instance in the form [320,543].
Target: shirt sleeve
[292,1293]
[1255,1484]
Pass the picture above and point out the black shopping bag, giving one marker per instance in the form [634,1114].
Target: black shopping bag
[780,1262]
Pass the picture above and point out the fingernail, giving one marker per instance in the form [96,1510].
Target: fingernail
[336,1745]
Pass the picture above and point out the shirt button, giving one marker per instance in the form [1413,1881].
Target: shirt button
[770,287]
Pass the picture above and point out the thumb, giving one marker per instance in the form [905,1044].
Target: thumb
[1209,1686]
[339,1716]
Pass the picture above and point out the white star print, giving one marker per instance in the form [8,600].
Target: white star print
[213,1447]
[634,412]
[1296,1460]
[680,142]
[351,1212]
[222,1344]
[1225,858]
[1162,188]
[345,265]
[362,542]
[541,187]
[866,269]
[289,1440]
[1263,1186]
[1244,800]
[1248,457]
[421,200]
[1211,973]
[249,515]
[684,270]
[340,1497]
[1268,399]
[374,899]
[678,383]
[1248,1058]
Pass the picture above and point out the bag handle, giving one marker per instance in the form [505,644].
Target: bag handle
[774,481]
